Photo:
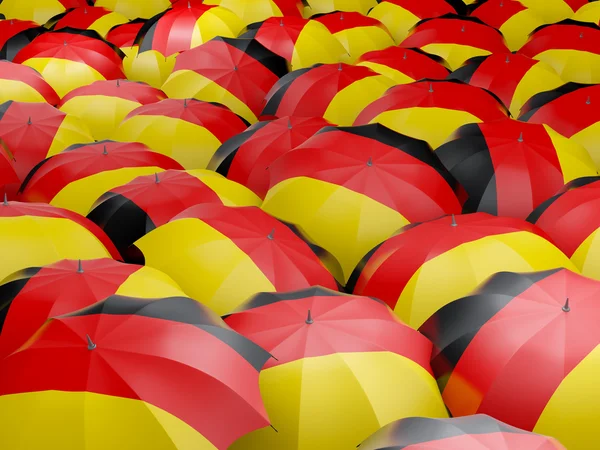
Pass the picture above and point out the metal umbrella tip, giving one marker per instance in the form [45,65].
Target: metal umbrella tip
[566,307]
[280,22]
[91,345]
[271,235]
[79,267]
[405,56]
[454,224]
[85,10]
[235,68]
[501,4]
[309,318]
[64,42]
[289,124]
[520,137]
[118,83]
[588,100]
[156,179]
[189,4]
[185,102]
[339,66]
[507,59]
[5,202]
[29,121]
[430,87]
[370,162]
[581,35]
[462,29]
[105,152]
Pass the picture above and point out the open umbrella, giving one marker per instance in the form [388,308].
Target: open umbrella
[589,12]
[312,7]
[88,17]
[23,84]
[133,9]
[252,11]
[16,34]
[552,11]
[38,11]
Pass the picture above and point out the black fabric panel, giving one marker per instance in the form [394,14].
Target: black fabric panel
[13,45]
[260,53]
[358,270]
[541,99]
[32,172]
[11,287]
[4,107]
[468,69]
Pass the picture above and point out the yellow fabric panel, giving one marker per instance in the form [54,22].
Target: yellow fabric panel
[588,13]
[516,29]
[18,91]
[39,11]
[327,6]
[230,192]
[550,11]
[398,20]
[572,65]
[85,420]
[334,402]
[207,265]
[541,77]
[150,67]
[105,23]
[393,74]
[216,22]
[316,44]
[251,11]
[80,195]
[590,139]
[454,54]
[587,256]
[575,161]
[360,40]
[133,9]
[71,131]
[150,283]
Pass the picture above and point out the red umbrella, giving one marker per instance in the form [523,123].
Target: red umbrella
[16,34]
[87,18]
[124,35]
[8,174]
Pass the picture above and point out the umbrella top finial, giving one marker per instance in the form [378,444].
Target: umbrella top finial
[453,224]
[189,4]
[339,66]
[29,121]
[405,56]
[5,202]
[342,15]
[289,124]
[91,345]
[370,162]
[520,137]
[281,22]
[118,83]
[12,22]
[588,100]
[185,102]
[566,307]
[501,4]
[235,68]
[156,179]
[581,35]
[507,59]
[309,318]
[85,9]
[65,42]
[462,29]
[79,267]
[271,235]
[105,151]
[430,87]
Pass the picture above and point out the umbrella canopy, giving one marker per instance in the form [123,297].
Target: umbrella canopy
[552,11]
[400,16]
[432,110]
[336,92]
[312,7]
[36,234]
[405,65]
[92,368]
[568,110]
[70,58]
[455,38]
[237,73]
[31,296]
[104,104]
[8,173]
[186,25]
[523,326]
[133,9]
[571,218]
[508,168]
[477,432]
[252,11]
[572,48]
[75,178]
[407,269]
[349,189]
[189,131]
[514,78]
[357,33]
[301,42]
[331,348]
[123,36]
[16,34]
[23,84]
[246,157]
[38,11]
[149,201]
[88,17]
[589,12]
[257,253]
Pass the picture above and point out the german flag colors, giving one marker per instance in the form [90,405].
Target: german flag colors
[326,346]
[88,17]
[312,7]
[75,178]
[257,253]
[571,220]
[514,78]
[538,331]
[589,12]
[134,10]
[554,10]
[508,168]
[90,367]
[189,131]
[572,48]
[150,201]
[123,36]
[476,432]
[31,296]
[39,11]
[252,11]
[16,34]
[23,84]
[344,90]
[466,250]
[432,110]
[237,73]
[247,157]
[350,188]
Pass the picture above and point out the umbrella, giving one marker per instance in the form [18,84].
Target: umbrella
[538,335]
[455,38]
[88,17]
[75,178]
[571,219]
[477,432]
[344,367]
[432,110]
[38,11]
[237,73]
[357,33]
[256,253]
[251,11]
[186,25]
[133,9]
[552,11]
[572,48]
[514,78]
[458,253]
[70,58]
[128,212]
[301,42]
[16,34]
[312,7]
[568,110]
[589,12]
[508,168]
[190,381]
[336,92]
[350,188]
[23,84]
[246,157]
[123,36]
[30,296]
[405,65]
[104,104]
[189,131]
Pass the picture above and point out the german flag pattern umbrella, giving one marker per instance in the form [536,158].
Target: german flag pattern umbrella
[349,189]
[189,131]
[514,78]
[477,432]
[344,90]
[252,11]
[103,105]
[71,58]
[572,48]
[458,253]
[455,38]
[23,84]
[16,34]
[91,367]
[75,178]
[237,73]
[508,168]
[330,346]
[431,110]
[39,11]
[87,17]
[150,201]
[31,296]
[258,253]
[133,9]
[123,36]
[539,329]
